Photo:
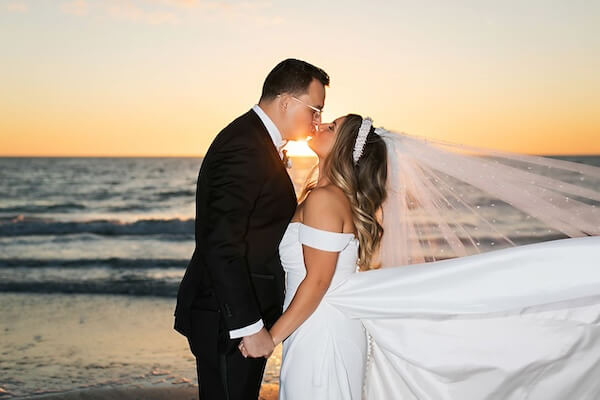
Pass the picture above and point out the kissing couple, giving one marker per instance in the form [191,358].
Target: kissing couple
[327,272]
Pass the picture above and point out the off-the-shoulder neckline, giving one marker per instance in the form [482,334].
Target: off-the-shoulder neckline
[323,230]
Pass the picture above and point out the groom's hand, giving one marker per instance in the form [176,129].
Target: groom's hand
[258,345]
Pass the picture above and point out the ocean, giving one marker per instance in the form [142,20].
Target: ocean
[92,251]
[111,225]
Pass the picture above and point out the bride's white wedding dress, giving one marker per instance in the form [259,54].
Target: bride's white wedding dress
[517,323]
[325,357]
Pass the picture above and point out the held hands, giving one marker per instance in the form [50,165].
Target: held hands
[258,345]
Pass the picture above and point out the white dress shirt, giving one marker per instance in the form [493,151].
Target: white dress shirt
[279,144]
[271,128]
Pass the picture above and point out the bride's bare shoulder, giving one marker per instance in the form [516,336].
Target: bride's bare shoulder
[327,202]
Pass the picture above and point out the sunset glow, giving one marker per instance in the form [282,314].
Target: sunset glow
[299,149]
[162,78]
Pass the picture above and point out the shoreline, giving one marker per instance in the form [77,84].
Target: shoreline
[269,391]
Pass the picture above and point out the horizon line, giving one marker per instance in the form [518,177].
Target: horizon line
[121,156]
[204,155]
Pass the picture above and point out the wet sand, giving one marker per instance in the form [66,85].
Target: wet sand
[268,392]
[97,346]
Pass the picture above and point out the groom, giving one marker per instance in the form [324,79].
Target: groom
[233,287]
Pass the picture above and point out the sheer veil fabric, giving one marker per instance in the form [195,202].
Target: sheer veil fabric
[447,200]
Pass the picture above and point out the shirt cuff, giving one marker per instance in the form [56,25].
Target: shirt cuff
[247,330]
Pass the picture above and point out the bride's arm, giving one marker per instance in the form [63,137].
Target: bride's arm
[321,211]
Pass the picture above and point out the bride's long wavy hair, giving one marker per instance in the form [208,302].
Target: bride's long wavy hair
[363,184]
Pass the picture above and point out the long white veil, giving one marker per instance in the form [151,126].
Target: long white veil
[520,322]
[448,200]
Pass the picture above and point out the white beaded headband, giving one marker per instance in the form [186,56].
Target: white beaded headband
[361,138]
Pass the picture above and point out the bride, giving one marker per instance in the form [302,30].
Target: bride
[461,322]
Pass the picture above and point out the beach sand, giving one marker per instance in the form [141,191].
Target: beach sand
[268,392]
[98,346]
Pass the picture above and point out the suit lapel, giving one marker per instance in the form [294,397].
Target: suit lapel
[271,151]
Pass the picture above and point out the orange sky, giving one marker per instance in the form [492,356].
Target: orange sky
[162,77]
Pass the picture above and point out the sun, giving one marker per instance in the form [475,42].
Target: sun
[298,149]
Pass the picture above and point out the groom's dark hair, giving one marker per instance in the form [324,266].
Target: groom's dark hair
[292,76]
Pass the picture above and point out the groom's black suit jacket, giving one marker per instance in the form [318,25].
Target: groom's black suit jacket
[244,202]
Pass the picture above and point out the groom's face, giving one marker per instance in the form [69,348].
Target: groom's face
[301,117]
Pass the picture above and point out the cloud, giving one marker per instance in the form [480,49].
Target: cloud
[131,12]
[17,7]
[233,11]
[75,7]
[237,5]
[215,5]
[177,3]
[238,11]
[158,12]
[268,21]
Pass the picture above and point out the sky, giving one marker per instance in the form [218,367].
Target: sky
[162,77]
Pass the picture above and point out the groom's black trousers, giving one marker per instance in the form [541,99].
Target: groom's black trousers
[238,377]
[223,373]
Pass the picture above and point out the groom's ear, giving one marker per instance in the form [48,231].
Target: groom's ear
[283,102]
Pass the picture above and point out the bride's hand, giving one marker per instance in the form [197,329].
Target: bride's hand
[275,341]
